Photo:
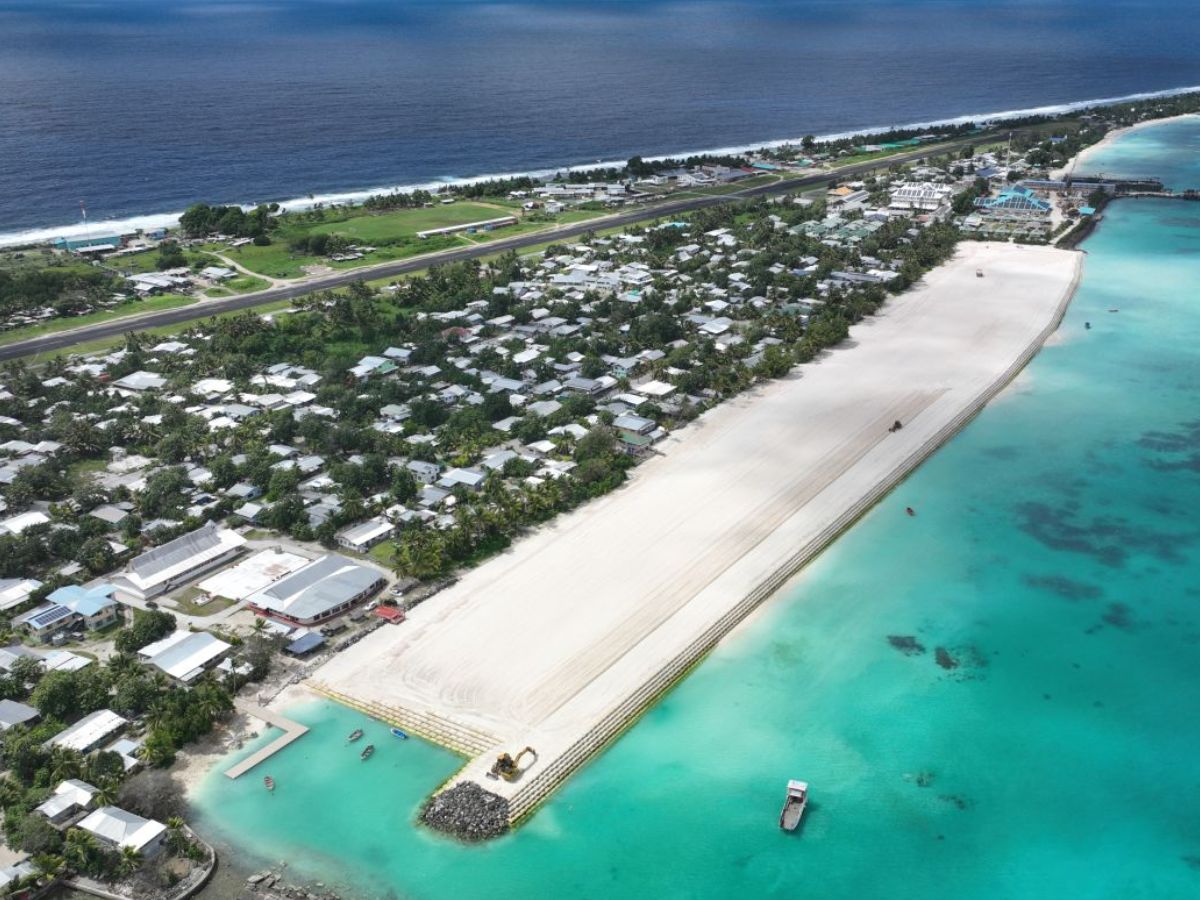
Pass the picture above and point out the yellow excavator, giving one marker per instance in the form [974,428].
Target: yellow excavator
[509,767]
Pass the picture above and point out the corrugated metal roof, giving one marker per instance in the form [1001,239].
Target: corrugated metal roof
[312,591]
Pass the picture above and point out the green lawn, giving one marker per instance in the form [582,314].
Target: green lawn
[393,234]
[383,553]
[20,260]
[185,602]
[130,308]
[147,261]
[385,227]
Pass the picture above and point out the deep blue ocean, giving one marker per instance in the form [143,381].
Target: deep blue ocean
[144,106]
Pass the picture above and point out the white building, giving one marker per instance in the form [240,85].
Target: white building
[362,537]
[324,588]
[119,828]
[177,562]
[70,798]
[89,732]
[920,197]
[185,655]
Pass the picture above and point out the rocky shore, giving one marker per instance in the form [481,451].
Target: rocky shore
[467,812]
[269,885]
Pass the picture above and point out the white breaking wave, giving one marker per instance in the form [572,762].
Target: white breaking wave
[170,219]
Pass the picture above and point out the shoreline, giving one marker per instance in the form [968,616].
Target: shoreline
[1112,137]
[40,234]
[731,511]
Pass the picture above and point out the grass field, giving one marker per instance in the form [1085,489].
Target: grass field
[23,260]
[390,226]
[147,261]
[132,308]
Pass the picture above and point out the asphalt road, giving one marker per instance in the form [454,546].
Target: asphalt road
[67,339]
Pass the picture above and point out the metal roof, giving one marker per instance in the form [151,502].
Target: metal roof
[184,654]
[302,645]
[319,587]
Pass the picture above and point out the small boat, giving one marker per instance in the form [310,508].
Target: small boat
[400,734]
[794,805]
[367,751]
[910,510]
[354,735]
[1114,309]
[269,782]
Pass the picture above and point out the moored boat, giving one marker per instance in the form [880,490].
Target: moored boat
[367,751]
[794,805]
[400,734]
[354,735]
[269,782]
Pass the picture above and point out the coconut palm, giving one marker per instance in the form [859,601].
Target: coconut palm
[80,850]
[130,862]
[49,867]
[106,792]
[65,763]
[176,836]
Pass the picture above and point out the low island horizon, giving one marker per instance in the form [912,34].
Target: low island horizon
[543,534]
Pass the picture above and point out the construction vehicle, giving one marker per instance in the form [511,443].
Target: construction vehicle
[509,767]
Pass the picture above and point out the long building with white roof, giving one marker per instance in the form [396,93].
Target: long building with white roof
[177,562]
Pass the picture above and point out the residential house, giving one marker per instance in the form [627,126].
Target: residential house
[121,829]
[362,537]
[185,655]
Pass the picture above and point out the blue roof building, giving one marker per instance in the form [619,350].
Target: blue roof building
[1015,201]
[107,241]
[86,602]
[71,605]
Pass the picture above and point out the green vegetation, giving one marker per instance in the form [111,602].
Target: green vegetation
[201,220]
[64,291]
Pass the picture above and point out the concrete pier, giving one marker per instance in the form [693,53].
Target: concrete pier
[291,732]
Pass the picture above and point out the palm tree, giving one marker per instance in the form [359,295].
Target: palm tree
[106,792]
[65,763]
[131,861]
[176,837]
[121,663]
[156,715]
[49,866]
[80,849]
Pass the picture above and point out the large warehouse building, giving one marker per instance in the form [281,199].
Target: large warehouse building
[320,590]
[177,562]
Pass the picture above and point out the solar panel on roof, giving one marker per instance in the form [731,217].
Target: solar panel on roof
[49,617]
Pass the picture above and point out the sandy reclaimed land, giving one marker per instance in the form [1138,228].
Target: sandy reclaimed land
[545,644]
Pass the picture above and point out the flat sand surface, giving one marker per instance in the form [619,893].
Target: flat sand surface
[534,647]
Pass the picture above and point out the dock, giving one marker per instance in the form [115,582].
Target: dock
[291,732]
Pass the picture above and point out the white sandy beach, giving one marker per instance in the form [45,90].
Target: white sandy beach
[1080,161]
[557,643]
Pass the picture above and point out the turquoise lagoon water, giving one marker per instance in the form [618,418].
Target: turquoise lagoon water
[1036,737]
[1169,151]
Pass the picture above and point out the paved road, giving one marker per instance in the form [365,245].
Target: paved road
[204,309]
